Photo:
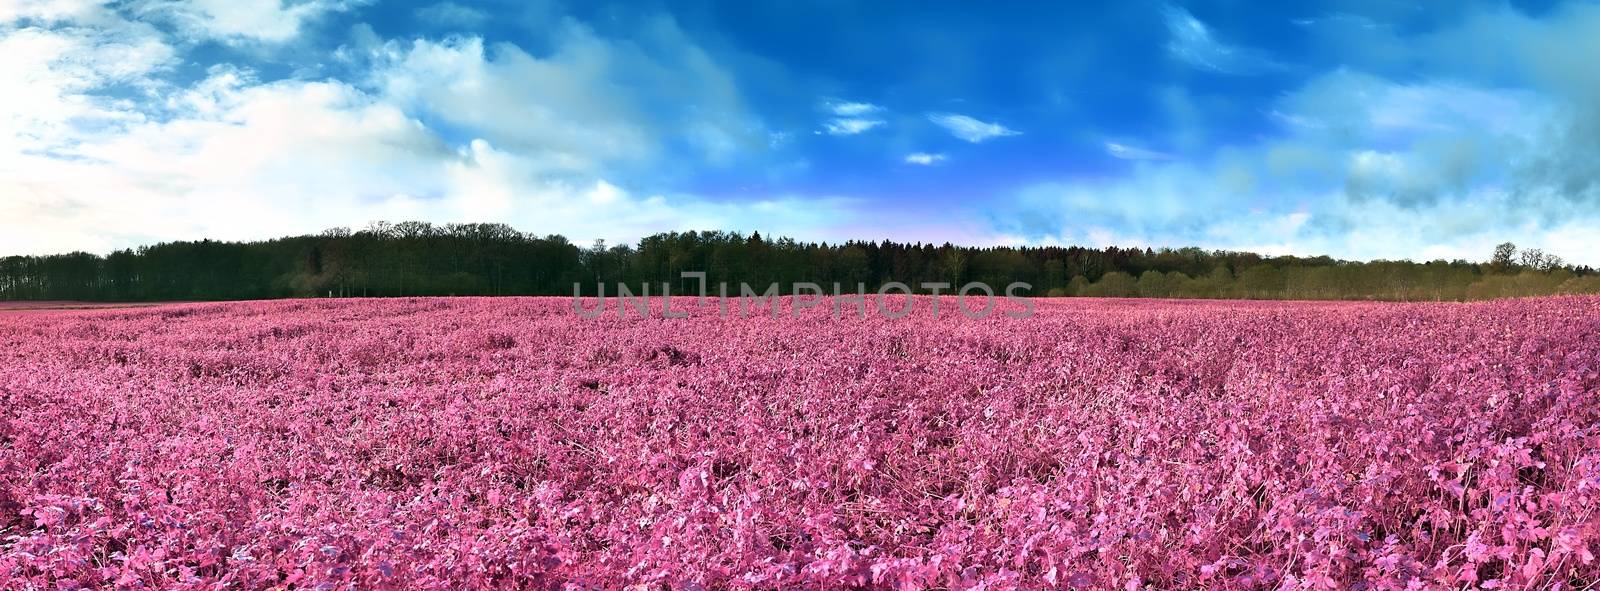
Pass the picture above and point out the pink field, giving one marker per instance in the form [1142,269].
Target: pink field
[506,443]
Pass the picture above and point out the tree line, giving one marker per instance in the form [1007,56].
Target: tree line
[423,259]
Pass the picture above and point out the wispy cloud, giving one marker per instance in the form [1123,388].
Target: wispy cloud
[846,126]
[240,22]
[1194,42]
[1353,20]
[851,117]
[853,109]
[1127,152]
[970,129]
[924,158]
[450,14]
[1295,121]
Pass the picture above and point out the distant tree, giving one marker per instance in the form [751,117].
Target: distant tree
[1154,284]
[953,264]
[852,268]
[1533,258]
[1115,284]
[1077,286]
[1552,263]
[1263,282]
[418,258]
[1219,283]
[1504,258]
[1540,260]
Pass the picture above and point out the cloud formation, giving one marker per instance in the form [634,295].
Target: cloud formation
[1394,133]
[970,129]
[851,118]
[442,130]
[1389,169]
[1194,42]
[1127,152]
[233,21]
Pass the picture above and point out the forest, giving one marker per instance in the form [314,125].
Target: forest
[423,259]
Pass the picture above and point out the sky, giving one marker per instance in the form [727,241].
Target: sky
[1359,129]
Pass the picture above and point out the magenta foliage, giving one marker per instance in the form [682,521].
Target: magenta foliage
[507,443]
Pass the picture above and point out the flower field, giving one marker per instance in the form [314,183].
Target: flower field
[508,443]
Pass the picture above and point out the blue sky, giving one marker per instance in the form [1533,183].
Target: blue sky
[1357,129]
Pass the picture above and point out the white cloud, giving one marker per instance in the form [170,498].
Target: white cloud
[1127,152]
[446,131]
[53,77]
[1172,205]
[271,21]
[1341,19]
[924,158]
[851,117]
[588,103]
[50,11]
[1382,110]
[556,107]
[970,129]
[852,109]
[1193,42]
[848,126]
[1293,120]
[1365,167]
[302,156]
[278,155]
